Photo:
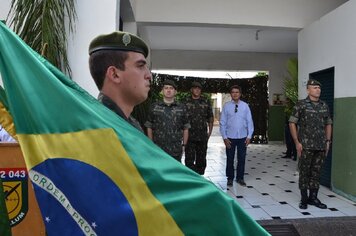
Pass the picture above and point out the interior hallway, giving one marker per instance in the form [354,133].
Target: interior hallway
[272,184]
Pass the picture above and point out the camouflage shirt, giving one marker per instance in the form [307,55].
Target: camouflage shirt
[311,118]
[106,101]
[167,122]
[200,114]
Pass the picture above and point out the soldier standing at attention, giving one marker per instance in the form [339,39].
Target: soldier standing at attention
[167,123]
[312,139]
[201,121]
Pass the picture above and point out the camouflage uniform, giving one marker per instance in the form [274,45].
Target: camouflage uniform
[311,118]
[167,122]
[200,115]
[106,101]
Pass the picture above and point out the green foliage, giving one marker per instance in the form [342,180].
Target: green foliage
[42,25]
[181,96]
[291,85]
[261,74]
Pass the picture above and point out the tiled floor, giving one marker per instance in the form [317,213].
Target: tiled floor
[272,184]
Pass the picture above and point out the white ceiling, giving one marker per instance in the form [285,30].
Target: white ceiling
[272,26]
[219,38]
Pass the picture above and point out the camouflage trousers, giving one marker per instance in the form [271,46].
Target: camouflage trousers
[309,166]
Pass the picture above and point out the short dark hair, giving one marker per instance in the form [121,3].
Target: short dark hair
[235,87]
[100,61]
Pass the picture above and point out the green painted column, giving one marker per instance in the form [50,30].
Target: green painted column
[344,147]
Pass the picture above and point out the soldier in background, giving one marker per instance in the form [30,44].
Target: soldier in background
[167,123]
[312,140]
[201,121]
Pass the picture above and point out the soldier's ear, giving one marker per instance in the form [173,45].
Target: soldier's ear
[113,74]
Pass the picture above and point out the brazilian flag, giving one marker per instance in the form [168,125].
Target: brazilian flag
[93,173]
[5,229]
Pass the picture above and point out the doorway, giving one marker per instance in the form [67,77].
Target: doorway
[326,78]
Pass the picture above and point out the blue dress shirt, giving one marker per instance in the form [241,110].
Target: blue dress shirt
[236,121]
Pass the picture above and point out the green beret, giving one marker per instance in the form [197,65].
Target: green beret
[170,82]
[196,84]
[118,40]
[313,82]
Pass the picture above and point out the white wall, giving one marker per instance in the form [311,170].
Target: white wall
[278,13]
[4,8]
[328,42]
[94,18]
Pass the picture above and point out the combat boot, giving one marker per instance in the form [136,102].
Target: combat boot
[304,201]
[313,199]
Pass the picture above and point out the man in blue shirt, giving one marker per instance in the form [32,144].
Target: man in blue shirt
[236,128]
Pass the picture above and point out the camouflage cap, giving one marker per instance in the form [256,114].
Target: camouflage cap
[196,84]
[169,82]
[313,82]
[118,40]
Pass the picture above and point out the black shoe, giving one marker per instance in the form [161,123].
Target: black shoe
[241,182]
[304,200]
[313,199]
[285,156]
[230,182]
[303,205]
[317,203]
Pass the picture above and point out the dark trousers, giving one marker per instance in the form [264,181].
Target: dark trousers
[310,164]
[178,158]
[240,145]
[195,155]
[291,149]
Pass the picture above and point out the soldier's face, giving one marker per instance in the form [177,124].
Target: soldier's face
[169,91]
[196,91]
[314,91]
[135,79]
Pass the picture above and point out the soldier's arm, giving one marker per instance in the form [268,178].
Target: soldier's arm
[150,133]
[328,131]
[294,134]
[149,122]
[210,119]
[185,136]
[210,126]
